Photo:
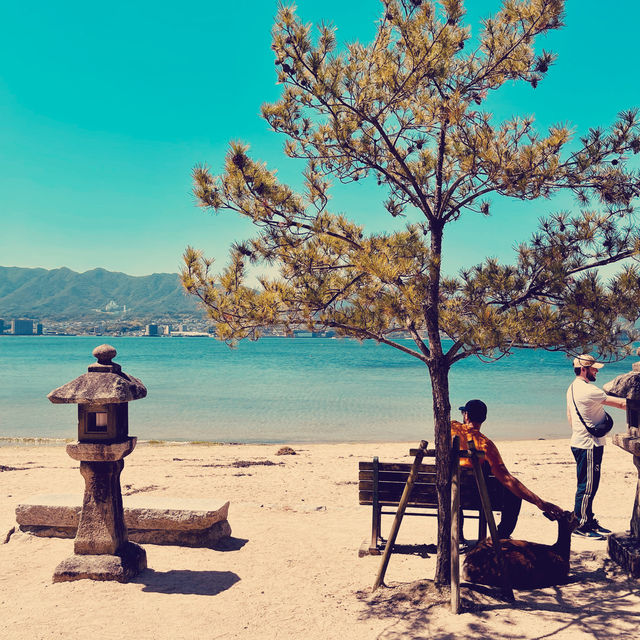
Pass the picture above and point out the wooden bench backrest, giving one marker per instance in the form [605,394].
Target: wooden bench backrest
[392,477]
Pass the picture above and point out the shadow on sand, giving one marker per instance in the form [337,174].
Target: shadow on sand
[230,544]
[187,582]
[421,550]
[598,601]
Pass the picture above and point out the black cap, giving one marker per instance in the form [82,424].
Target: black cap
[476,410]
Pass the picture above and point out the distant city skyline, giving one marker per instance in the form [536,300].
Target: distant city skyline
[103,114]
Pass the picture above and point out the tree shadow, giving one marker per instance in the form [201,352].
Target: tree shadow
[187,582]
[407,607]
[598,600]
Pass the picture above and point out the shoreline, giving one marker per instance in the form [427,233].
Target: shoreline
[21,441]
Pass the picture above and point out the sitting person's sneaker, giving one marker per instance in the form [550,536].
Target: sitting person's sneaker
[585,532]
[594,525]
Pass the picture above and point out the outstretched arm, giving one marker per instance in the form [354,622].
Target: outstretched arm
[514,485]
[618,403]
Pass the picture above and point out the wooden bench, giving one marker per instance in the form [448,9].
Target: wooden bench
[381,484]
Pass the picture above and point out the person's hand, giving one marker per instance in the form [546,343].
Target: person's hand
[552,511]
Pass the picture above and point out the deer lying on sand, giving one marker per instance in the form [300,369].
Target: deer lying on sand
[531,565]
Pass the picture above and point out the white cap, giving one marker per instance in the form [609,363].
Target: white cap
[586,360]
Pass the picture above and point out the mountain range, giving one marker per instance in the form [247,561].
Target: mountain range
[62,294]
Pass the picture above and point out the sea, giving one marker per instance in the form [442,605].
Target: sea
[282,390]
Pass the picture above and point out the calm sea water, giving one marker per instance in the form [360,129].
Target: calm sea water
[282,390]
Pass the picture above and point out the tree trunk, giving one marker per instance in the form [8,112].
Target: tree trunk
[439,371]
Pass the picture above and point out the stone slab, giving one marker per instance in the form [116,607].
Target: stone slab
[625,551]
[129,562]
[209,537]
[627,442]
[202,538]
[626,385]
[150,520]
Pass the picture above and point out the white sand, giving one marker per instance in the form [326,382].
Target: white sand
[295,571]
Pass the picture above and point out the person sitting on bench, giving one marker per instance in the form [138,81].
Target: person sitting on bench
[474,413]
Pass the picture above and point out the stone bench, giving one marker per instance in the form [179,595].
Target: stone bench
[149,520]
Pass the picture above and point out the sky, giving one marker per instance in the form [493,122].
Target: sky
[105,108]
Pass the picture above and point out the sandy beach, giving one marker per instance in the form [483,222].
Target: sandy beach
[291,568]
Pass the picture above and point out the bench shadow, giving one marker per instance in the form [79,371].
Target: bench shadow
[186,582]
[421,550]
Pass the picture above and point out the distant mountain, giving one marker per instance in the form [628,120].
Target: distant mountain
[64,294]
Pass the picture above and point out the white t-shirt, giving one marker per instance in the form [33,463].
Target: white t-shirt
[590,402]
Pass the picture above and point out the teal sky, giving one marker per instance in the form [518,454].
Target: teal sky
[106,107]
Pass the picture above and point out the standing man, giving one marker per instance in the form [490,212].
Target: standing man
[585,407]
[474,413]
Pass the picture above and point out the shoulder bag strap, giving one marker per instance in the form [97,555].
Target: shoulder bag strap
[576,407]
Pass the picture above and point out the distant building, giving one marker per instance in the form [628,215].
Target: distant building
[39,329]
[167,330]
[1,325]
[151,330]
[21,327]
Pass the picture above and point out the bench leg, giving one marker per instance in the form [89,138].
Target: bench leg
[375,531]
[376,517]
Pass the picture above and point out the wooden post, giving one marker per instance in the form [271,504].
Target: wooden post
[455,525]
[486,507]
[406,494]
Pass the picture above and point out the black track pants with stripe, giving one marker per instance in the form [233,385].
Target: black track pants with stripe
[589,462]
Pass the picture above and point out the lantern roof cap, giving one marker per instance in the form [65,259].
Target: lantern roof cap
[104,383]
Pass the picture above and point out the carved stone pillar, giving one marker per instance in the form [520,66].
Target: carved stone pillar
[102,549]
[101,528]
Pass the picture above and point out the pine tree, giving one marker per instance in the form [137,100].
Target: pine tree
[406,110]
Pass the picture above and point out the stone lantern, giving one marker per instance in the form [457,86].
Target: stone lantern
[102,550]
[624,547]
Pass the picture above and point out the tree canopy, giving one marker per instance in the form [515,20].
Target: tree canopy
[407,112]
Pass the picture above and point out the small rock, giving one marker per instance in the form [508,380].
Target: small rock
[285,451]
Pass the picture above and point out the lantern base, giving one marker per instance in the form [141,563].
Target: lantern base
[128,563]
[101,451]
